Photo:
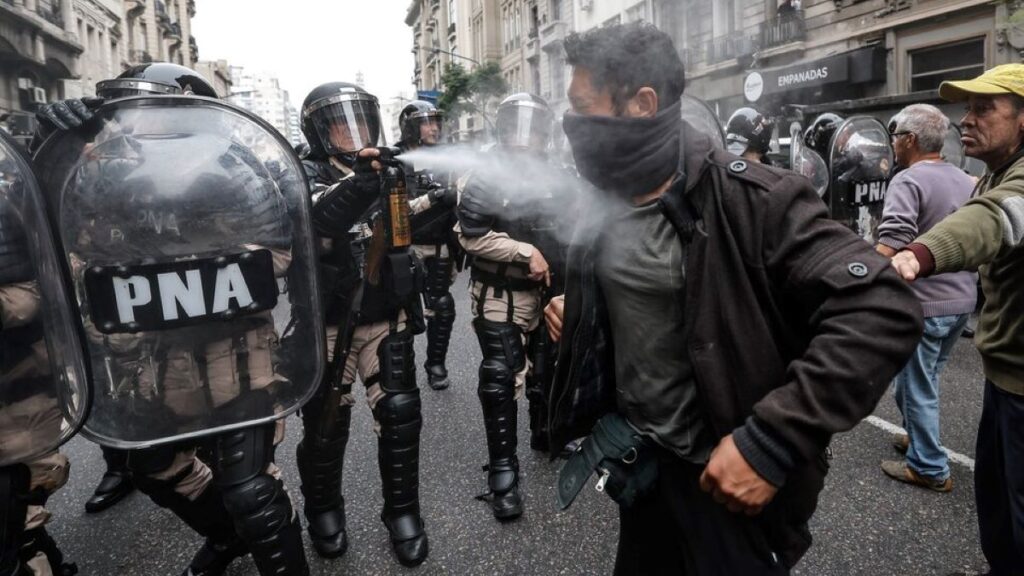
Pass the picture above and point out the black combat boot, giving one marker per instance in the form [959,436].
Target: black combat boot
[398,453]
[321,464]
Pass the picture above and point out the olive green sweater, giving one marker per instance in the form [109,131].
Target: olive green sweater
[987,234]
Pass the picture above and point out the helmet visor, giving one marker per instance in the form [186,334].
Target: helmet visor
[127,87]
[430,126]
[347,126]
[524,126]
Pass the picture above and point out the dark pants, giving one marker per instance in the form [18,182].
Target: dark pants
[678,529]
[999,481]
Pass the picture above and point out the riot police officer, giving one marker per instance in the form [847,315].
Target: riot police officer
[228,372]
[818,135]
[372,312]
[511,231]
[43,390]
[155,78]
[422,125]
[748,134]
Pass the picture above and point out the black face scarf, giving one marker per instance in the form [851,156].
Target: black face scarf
[626,157]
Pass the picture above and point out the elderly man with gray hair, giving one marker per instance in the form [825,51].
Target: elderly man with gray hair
[926,191]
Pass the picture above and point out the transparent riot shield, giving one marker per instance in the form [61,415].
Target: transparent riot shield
[806,161]
[185,225]
[953,149]
[860,163]
[698,114]
[44,391]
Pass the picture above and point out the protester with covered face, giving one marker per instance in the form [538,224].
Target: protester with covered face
[717,327]
[987,234]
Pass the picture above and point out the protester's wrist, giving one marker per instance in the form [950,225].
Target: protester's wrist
[925,259]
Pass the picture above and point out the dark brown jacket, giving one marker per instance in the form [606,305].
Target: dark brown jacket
[795,326]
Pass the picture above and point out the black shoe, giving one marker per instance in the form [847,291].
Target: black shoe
[437,376]
[327,533]
[503,495]
[508,505]
[114,486]
[408,538]
[967,333]
[213,559]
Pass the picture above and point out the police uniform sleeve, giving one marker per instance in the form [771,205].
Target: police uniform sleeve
[477,215]
[340,206]
[858,319]
[476,211]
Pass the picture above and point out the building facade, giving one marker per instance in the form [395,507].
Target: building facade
[795,59]
[261,94]
[217,73]
[523,36]
[56,49]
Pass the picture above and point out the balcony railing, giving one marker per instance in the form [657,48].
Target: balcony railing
[690,57]
[785,29]
[728,47]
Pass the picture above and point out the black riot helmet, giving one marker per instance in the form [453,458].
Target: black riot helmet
[340,118]
[155,78]
[748,129]
[421,124]
[524,121]
[819,134]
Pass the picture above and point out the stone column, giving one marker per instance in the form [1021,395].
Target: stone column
[67,13]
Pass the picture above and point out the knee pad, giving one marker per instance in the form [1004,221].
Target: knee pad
[501,342]
[242,455]
[397,363]
[259,506]
[444,306]
[400,417]
[438,276]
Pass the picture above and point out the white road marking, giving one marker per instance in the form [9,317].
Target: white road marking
[891,428]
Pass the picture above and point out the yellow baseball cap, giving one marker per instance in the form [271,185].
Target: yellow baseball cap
[1004,79]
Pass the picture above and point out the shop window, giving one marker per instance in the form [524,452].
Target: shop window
[930,67]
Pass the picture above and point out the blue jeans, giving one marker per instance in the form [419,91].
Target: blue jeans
[917,394]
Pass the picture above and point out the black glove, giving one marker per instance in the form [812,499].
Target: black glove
[364,177]
[443,196]
[68,114]
[64,115]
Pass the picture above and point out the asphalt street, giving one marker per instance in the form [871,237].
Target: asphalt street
[866,524]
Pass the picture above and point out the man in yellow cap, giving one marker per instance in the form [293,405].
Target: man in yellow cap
[987,234]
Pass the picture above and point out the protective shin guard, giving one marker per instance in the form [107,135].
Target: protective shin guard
[258,503]
[439,335]
[538,418]
[206,515]
[503,353]
[537,387]
[321,462]
[398,449]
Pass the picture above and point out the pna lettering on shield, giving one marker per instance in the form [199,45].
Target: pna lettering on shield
[136,291]
[869,192]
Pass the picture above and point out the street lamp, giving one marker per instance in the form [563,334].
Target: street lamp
[452,54]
